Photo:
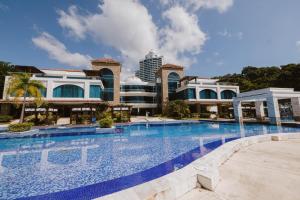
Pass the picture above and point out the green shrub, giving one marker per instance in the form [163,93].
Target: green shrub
[178,109]
[20,127]
[106,122]
[5,118]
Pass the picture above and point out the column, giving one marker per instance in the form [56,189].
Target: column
[218,93]
[49,89]
[86,90]
[296,108]
[259,109]
[273,110]
[238,113]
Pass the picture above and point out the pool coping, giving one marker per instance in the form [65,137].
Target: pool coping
[203,172]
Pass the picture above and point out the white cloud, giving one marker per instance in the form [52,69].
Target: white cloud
[57,51]
[73,22]
[127,26]
[195,5]
[134,33]
[182,35]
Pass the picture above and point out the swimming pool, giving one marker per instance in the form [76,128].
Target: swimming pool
[90,165]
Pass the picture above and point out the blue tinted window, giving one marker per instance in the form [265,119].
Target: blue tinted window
[68,91]
[95,91]
[107,78]
[228,94]
[173,80]
[208,94]
[189,93]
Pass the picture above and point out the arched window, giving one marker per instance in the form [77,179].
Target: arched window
[107,78]
[208,94]
[228,94]
[68,91]
[173,80]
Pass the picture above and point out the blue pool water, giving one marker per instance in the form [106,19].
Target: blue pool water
[90,165]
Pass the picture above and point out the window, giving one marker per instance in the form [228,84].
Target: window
[173,80]
[137,99]
[68,91]
[208,94]
[228,94]
[189,93]
[95,91]
[137,88]
[107,78]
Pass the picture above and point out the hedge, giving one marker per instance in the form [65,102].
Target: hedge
[20,127]
[106,122]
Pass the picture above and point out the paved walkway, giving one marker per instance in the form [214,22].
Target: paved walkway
[264,171]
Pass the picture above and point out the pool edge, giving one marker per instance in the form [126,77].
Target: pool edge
[203,172]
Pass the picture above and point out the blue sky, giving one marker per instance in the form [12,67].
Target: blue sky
[209,37]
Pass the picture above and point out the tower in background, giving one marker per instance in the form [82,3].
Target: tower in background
[149,66]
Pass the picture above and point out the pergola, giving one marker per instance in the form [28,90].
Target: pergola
[271,96]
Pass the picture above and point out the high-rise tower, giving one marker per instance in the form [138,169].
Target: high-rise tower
[149,66]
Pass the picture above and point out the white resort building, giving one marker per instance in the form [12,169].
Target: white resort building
[68,91]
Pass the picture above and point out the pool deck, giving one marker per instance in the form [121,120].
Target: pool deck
[257,167]
[269,171]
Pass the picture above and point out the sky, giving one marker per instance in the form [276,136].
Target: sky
[208,37]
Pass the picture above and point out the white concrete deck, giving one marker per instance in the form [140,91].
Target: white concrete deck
[268,171]
[249,168]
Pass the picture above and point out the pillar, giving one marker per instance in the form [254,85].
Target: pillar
[259,109]
[273,110]
[238,113]
[296,108]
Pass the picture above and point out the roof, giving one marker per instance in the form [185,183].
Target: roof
[92,72]
[105,61]
[188,78]
[65,70]
[172,66]
[28,69]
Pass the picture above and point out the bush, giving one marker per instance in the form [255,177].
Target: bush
[106,122]
[178,109]
[20,127]
[5,118]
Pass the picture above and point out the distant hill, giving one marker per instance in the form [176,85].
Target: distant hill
[252,78]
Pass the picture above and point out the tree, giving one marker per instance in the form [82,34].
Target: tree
[5,68]
[21,86]
[178,109]
[253,78]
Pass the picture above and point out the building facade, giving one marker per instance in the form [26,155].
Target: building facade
[69,90]
[149,66]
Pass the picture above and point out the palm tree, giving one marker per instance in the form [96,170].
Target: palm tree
[21,86]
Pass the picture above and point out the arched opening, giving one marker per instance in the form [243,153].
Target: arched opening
[107,78]
[68,91]
[208,94]
[228,94]
[173,81]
